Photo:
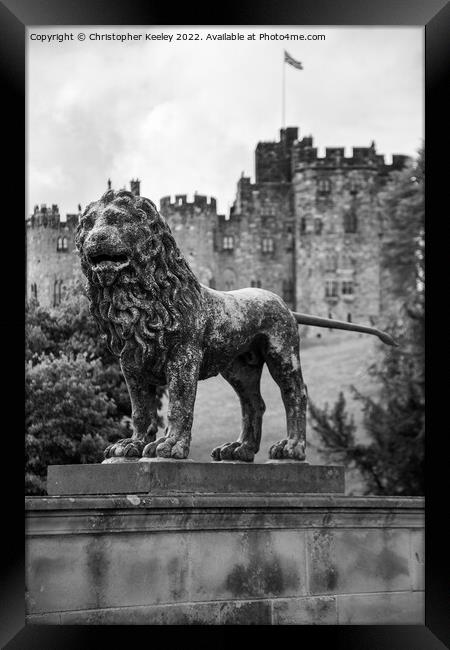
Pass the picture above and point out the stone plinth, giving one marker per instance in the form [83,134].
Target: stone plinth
[266,558]
[162,476]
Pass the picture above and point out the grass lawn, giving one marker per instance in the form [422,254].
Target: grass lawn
[329,364]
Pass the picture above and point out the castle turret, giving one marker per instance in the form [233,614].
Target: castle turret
[135,187]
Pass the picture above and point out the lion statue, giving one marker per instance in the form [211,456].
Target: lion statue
[168,329]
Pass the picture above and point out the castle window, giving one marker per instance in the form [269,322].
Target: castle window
[350,222]
[349,318]
[267,245]
[347,288]
[318,225]
[324,185]
[59,244]
[64,244]
[302,225]
[212,282]
[228,243]
[331,289]
[34,290]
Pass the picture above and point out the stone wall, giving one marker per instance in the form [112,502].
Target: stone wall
[225,559]
[193,225]
[52,261]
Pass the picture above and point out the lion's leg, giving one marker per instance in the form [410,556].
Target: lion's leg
[245,379]
[182,376]
[284,366]
[143,416]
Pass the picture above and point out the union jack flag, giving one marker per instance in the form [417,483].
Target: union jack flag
[289,59]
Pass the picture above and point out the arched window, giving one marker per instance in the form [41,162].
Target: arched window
[64,244]
[59,244]
[228,243]
[267,245]
[324,185]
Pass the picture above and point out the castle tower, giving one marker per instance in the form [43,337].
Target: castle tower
[338,230]
[135,187]
[193,225]
[52,261]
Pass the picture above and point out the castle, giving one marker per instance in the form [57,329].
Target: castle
[308,228]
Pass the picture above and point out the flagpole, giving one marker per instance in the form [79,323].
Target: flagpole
[283,101]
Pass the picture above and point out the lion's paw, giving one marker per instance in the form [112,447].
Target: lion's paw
[127,447]
[167,448]
[287,450]
[233,451]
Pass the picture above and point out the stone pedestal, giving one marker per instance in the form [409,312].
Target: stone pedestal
[152,555]
[189,477]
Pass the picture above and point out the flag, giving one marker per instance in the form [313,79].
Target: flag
[288,59]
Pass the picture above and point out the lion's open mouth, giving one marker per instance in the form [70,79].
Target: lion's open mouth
[108,260]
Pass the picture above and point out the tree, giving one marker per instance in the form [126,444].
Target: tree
[69,418]
[76,397]
[393,460]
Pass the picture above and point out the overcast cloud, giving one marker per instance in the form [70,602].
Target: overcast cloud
[186,116]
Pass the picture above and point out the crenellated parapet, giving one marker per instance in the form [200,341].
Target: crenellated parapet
[181,203]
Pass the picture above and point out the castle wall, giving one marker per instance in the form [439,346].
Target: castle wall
[193,227]
[337,271]
[286,232]
[261,225]
[50,266]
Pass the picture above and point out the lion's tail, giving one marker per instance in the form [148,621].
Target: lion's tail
[315,321]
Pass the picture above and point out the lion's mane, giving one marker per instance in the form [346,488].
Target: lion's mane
[156,296]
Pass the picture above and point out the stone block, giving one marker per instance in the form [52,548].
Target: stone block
[358,561]
[247,564]
[162,476]
[179,614]
[400,608]
[319,610]
[124,569]
[235,612]
[417,560]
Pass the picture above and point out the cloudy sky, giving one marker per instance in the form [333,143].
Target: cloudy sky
[185,116]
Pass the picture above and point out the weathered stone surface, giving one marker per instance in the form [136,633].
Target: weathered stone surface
[219,558]
[159,476]
[320,610]
[417,560]
[247,564]
[398,608]
[358,561]
[252,612]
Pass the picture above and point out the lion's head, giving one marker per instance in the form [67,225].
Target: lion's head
[140,286]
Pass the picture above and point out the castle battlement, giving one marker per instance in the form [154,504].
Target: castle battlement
[50,217]
[181,203]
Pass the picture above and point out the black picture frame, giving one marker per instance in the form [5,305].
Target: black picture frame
[15,16]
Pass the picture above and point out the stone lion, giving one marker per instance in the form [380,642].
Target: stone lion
[168,329]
